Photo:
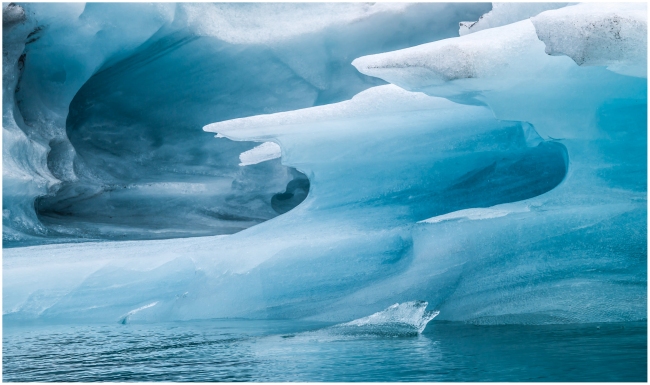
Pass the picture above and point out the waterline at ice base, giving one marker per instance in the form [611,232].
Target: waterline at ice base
[244,191]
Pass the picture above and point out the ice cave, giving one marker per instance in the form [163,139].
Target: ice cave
[347,172]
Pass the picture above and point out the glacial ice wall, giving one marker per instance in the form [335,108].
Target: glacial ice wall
[499,177]
[111,99]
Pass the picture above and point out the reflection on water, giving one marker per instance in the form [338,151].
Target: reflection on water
[241,350]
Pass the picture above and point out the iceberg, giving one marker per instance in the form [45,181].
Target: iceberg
[498,176]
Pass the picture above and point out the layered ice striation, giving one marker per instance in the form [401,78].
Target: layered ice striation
[497,178]
[106,103]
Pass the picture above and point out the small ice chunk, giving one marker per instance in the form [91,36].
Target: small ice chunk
[407,318]
[262,153]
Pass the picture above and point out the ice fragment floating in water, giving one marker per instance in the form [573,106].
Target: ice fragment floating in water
[399,319]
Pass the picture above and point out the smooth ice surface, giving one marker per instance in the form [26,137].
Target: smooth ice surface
[497,178]
[474,214]
[104,104]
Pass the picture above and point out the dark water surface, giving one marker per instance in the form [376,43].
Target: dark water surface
[244,350]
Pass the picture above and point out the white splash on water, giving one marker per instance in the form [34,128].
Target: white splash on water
[125,319]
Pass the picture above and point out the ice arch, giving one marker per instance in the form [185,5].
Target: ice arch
[123,70]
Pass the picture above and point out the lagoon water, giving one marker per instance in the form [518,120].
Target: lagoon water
[246,350]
